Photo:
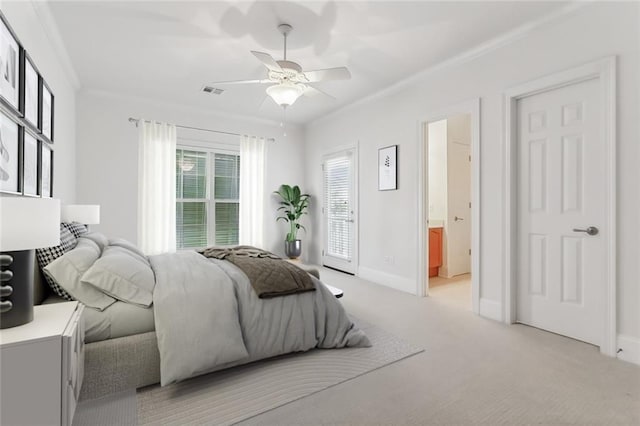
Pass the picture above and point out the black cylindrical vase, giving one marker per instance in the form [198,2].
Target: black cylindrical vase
[16,288]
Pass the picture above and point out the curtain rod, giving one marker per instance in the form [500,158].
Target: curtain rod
[137,120]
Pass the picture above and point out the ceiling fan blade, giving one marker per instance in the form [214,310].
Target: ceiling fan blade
[267,60]
[219,83]
[313,91]
[340,73]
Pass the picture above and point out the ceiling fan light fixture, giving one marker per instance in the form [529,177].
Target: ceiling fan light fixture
[285,94]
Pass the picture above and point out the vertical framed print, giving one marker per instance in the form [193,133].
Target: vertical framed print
[9,66]
[387,168]
[46,170]
[29,165]
[46,111]
[31,92]
[9,155]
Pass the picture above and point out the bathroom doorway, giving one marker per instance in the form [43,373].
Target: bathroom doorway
[450,189]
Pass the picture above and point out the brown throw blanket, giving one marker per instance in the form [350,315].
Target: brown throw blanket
[270,275]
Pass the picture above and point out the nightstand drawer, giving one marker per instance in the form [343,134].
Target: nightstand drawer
[73,365]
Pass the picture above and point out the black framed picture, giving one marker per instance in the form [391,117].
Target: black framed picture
[30,168]
[46,110]
[9,155]
[387,168]
[9,66]
[46,170]
[31,92]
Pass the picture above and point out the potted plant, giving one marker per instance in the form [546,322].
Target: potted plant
[293,205]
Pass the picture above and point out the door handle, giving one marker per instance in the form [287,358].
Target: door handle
[592,230]
[456,218]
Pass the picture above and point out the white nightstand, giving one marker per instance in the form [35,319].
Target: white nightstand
[42,366]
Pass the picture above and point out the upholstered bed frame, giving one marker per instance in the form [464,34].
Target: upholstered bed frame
[112,365]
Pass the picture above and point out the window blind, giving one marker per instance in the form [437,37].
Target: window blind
[207,206]
[337,199]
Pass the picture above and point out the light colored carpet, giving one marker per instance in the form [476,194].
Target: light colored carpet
[473,371]
[233,395]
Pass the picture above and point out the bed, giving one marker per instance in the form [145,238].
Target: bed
[124,348]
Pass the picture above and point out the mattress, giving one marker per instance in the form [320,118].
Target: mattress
[118,320]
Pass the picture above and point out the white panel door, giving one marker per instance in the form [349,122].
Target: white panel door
[459,210]
[339,211]
[561,191]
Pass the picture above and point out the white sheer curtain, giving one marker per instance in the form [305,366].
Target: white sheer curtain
[252,161]
[156,187]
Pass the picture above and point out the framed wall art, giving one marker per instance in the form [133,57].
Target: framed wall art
[46,170]
[9,155]
[46,111]
[9,66]
[387,168]
[31,92]
[30,165]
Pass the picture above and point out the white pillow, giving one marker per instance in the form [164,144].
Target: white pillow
[67,271]
[97,238]
[121,242]
[123,275]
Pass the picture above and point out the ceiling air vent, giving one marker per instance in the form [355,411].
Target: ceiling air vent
[212,90]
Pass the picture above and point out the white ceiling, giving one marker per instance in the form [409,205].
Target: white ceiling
[168,50]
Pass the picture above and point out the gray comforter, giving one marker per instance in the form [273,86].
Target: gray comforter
[208,317]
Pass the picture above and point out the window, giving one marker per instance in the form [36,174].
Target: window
[207,197]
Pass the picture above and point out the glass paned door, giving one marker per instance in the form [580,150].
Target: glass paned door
[339,211]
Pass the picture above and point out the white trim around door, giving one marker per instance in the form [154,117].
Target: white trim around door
[471,107]
[603,70]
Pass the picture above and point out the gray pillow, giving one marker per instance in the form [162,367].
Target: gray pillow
[97,238]
[121,242]
[123,275]
[67,270]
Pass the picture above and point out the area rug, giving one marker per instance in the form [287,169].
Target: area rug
[230,396]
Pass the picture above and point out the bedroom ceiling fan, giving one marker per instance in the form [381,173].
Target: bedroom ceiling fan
[288,80]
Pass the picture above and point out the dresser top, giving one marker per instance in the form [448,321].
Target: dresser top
[48,321]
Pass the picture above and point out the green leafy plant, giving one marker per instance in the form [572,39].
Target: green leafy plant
[293,205]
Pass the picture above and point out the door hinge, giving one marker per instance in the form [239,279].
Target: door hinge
[469,158]
[469,252]
[323,252]
[469,204]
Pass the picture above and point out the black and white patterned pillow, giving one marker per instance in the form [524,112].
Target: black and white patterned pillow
[47,255]
[77,229]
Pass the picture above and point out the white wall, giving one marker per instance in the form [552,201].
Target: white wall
[108,157]
[30,27]
[388,220]
[437,134]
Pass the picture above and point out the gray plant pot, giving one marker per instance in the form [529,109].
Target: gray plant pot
[292,249]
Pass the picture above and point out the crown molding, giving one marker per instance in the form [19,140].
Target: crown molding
[50,27]
[466,56]
[185,107]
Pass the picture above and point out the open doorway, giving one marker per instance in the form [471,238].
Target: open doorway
[450,205]
[449,209]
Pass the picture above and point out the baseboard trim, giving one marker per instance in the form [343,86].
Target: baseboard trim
[491,309]
[396,282]
[628,349]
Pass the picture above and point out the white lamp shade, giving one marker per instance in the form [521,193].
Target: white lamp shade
[285,94]
[88,214]
[29,223]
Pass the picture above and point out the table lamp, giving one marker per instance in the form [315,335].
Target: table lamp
[87,214]
[25,224]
